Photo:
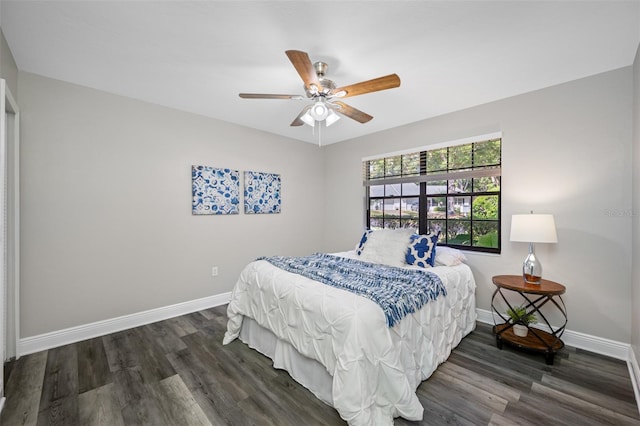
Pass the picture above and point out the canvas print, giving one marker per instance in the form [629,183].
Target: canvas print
[215,191]
[261,193]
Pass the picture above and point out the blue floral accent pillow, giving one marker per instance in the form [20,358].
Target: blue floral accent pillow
[422,250]
[362,242]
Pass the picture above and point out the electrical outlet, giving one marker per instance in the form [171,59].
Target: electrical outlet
[214,271]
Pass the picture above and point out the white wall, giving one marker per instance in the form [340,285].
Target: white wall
[566,151]
[107,228]
[635,283]
[8,69]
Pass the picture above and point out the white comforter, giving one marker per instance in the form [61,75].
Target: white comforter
[375,369]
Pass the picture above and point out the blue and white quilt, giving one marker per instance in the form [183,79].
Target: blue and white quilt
[398,291]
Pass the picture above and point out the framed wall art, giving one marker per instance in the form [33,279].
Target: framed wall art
[261,193]
[215,191]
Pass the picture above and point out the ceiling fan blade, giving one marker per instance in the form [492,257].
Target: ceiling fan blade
[268,96]
[381,83]
[351,112]
[298,121]
[303,65]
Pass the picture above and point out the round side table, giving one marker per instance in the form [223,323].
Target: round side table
[535,297]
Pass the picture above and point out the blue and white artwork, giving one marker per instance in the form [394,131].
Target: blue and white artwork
[261,193]
[215,191]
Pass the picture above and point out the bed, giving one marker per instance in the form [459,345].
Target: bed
[340,345]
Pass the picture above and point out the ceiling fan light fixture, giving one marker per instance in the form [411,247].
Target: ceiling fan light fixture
[319,111]
[332,118]
[308,119]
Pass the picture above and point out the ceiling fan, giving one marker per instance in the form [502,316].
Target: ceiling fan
[324,93]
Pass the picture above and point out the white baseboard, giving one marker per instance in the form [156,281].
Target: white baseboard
[54,339]
[576,339]
[634,372]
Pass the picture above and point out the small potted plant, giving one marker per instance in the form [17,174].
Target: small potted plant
[521,319]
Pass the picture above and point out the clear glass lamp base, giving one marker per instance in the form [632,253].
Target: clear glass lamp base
[532,268]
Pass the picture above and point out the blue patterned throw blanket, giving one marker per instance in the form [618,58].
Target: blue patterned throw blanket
[397,291]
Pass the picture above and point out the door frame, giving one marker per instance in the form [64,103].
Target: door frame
[9,228]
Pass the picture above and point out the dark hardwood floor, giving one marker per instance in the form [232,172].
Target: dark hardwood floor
[176,372]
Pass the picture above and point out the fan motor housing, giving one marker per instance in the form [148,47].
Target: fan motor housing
[321,70]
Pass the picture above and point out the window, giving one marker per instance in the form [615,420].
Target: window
[453,190]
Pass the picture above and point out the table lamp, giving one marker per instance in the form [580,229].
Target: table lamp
[533,228]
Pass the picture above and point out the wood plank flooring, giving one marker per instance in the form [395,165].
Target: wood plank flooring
[176,372]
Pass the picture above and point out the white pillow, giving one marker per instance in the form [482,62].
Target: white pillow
[448,256]
[387,246]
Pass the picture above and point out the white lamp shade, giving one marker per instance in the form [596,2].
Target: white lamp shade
[533,228]
[319,111]
[308,119]
[331,118]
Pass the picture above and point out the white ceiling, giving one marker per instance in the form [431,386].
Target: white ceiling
[197,56]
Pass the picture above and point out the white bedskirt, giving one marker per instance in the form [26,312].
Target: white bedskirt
[306,371]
